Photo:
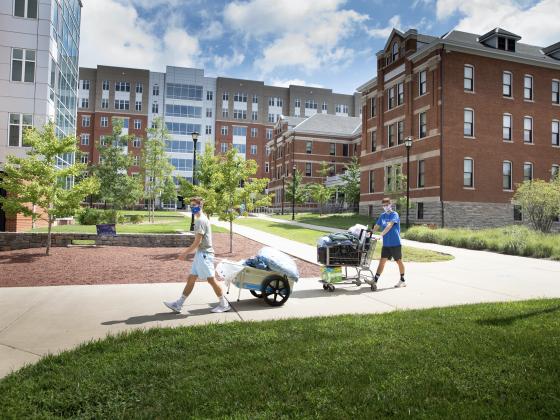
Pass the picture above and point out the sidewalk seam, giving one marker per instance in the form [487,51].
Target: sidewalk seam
[22,350]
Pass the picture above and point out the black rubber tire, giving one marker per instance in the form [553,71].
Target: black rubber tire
[276,290]
[331,288]
[325,286]
[256,294]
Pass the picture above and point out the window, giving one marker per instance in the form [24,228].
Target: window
[254,115]
[527,171]
[253,149]
[528,87]
[341,108]
[122,104]
[208,112]
[208,129]
[297,103]
[84,84]
[388,178]
[373,110]
[240,97]
[105,103]
[254,132]
[155,90]
[225,96]
[420,210]
[136,160]
[266,167]
[371,181]
[310,104]
[391,135]
[506,127]
[186,111]
[84,139]
[122,86]
[517,215]
[139,87]
[104,121]
[506,44]
[225,113]
[422,82]
[324,107]
[506,84]
[86,121]
[137,124]
[269,133]
[239,131]
[181,164]
[556,92]
[506,175]
[421,173]
[556,133]
[105,85]
[84,103]
[23,65]
[423,125]
[345,150]
[468,78]
[239,147]
[186,92]
[224,147]
[137,142]
[271,118]
[102,141]
[255,99]
[224,130]
[332,151]
[138,105]
[308,169]
[155,108]
[468,129]
[554,171]
[400,93]
[84,157]
[468,178]
[391,98]
[400,132]
[182,129]
[308,147]
[25,9]
[209,95]
[239,114]
[373,140]
[395,52]
[528,130]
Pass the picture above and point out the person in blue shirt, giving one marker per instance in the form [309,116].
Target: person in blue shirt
[389,223]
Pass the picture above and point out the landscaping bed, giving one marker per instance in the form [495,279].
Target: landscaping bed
[111,265]
[479,361]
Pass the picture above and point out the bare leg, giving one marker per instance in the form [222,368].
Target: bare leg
[381,266]
[191,281]
[401,267]
[216,286]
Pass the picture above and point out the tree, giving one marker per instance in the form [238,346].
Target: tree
[169,191]
[116,187]
[156,166]
[351,182]
[321,194]
[44,184]
[301,192]
[540,202]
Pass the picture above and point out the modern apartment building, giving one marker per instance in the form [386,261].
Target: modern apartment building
[39,41]
[247,111]
[321,140]
[484,113]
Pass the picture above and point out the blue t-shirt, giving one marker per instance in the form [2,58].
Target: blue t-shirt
[393,237]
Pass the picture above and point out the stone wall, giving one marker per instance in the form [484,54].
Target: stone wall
[12,241]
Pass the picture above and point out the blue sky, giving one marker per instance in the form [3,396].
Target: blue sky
[329,43]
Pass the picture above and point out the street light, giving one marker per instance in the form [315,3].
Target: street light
[294,192]
[194,136]
[408,145]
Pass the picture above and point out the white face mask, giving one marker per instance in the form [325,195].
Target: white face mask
[387,208]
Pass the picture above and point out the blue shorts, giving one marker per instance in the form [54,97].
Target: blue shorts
[203,265]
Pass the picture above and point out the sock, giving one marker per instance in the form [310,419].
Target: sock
[377,275]
[181,300]
[223,301]
[402,277]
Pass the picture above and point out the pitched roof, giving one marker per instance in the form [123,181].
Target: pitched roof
[498,31]
[292,121]
[328,124]
[551,48]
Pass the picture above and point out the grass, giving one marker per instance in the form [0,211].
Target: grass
[157,213]
[310,236]
[339,220]
[83,242]
[479,361]
[513,240]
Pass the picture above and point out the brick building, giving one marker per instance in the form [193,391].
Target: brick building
[308,143]
[484,115]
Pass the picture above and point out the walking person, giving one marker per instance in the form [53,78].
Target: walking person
[203,262]
[389,223]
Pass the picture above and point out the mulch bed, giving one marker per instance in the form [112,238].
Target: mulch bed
[117,265]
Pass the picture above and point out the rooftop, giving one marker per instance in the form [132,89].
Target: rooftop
[333,125]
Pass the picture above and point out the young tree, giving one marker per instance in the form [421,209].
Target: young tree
[156,166]
[116,186]
[43,184]
[321,194]
[540,202]
[169,191]
[301,192]
[351,182]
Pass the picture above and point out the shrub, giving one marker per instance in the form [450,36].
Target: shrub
[89,216]
[135,218]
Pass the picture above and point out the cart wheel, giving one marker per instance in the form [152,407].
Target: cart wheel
[276,290]
[325,286]
[373,287]
[331,287]
[256,294]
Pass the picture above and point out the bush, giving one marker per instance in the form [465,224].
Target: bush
[89,216]
[135,218]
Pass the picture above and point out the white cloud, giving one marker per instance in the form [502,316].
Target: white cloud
[422,3]
[303,33]
[394,22]
[113,33]
[536,23]
[213,30]
[225,62]
[297,82]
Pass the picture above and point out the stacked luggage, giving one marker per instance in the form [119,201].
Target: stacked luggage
[345,248]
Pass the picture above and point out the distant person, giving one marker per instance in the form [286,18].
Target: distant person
[203,262]
[389,223]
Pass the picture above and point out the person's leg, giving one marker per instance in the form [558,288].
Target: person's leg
[380,268]
[216,286]
[223,306]
[191,281]
[398,258]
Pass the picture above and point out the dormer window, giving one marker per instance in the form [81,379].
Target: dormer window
[506,44]
[395,52]
[500,39]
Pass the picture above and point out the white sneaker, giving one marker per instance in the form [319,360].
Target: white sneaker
[401,283]
[174,306]
[221,308]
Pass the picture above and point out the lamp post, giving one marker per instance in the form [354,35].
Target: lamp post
[408,145]
[294,192]
[194,136]
[283,187]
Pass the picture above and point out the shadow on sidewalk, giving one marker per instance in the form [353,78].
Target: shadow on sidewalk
[143,319]
[511,319]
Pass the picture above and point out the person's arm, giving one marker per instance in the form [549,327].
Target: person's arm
[191,249]
[387,229]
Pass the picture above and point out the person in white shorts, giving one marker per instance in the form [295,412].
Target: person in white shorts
[203,262]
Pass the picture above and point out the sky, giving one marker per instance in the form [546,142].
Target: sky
[326,43]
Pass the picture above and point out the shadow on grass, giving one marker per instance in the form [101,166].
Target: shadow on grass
[509,320]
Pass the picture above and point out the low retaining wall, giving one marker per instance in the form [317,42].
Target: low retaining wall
[11,240]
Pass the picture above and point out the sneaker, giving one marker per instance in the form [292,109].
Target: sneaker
[401,283]
[174,306]
[374,286]
[221,308]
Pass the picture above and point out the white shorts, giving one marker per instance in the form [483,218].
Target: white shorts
[203,265]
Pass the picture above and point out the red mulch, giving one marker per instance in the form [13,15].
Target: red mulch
[112,265]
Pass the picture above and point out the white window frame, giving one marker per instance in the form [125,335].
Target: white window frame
[138,105]
[84,139]
[86,118]
[400,94]
[510,84]
[525,78]
[528,118]
[532,170]
[555,101]
[465,110]
[371,176]
[84,103]
[25,10]
[472,172]
[155,90]
[137,142]
[553,133]
[104,103]
[423,173]
[554,168]
[510,139]
[465,67]
[224,130]
[104,122]
[253,147]
[254,132]
[24,63]
[510,175]
[310,168]
[137,124]
[372,137]
[106,85]
[84,158]
[422,83]
[420,136]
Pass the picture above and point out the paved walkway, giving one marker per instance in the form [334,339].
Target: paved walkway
[35,321]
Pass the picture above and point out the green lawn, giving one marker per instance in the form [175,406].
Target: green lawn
[480,361]
[157,213]
[310,236]
[339,220]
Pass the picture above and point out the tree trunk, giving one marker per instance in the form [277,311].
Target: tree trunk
[49,234]
[230,236]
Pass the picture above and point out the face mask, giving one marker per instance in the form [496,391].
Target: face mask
[195,209]
[387,208]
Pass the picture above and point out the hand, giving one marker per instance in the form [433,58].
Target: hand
[378,237]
